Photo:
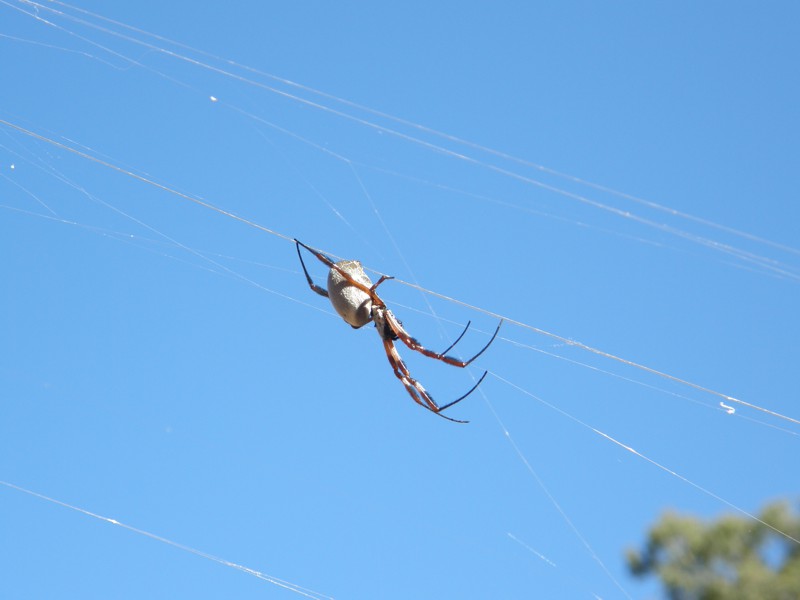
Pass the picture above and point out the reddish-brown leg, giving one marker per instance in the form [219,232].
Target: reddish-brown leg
[332,265]
[414,388]
[412,343]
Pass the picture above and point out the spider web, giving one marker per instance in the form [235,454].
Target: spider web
[358,194]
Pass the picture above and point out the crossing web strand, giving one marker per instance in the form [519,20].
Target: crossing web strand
[607,355]
[646,458]
[215,265]
[552,499]
[568,341]
[721,406]
[143,179]
[739,259]
[390,236]
[162,247]
[287,585]
[425,129]
[767,265]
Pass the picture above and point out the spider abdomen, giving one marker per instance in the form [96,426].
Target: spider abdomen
[351,303]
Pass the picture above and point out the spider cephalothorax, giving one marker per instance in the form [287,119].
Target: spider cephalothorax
[354,297]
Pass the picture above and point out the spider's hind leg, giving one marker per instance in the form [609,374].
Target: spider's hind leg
[472,389]
[414,344]
[482,350]
[458,339]
[415,389]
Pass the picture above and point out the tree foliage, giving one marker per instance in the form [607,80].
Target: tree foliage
[731,558]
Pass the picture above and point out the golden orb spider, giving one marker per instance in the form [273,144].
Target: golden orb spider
[354,297]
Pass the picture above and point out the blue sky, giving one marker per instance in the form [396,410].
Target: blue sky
[165,365]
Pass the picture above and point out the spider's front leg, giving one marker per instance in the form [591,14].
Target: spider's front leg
[361,281]
[320,290]
[349,288]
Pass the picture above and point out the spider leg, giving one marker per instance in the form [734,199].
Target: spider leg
[474,387]
[320,290]
[414,388]
[458,339]
[332,265]
[380,281]
[412,343]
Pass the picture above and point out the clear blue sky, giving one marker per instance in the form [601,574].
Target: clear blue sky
[166,366]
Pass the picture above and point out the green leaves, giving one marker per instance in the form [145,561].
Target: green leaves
[731,558]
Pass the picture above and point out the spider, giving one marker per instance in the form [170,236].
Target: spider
[354,297]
